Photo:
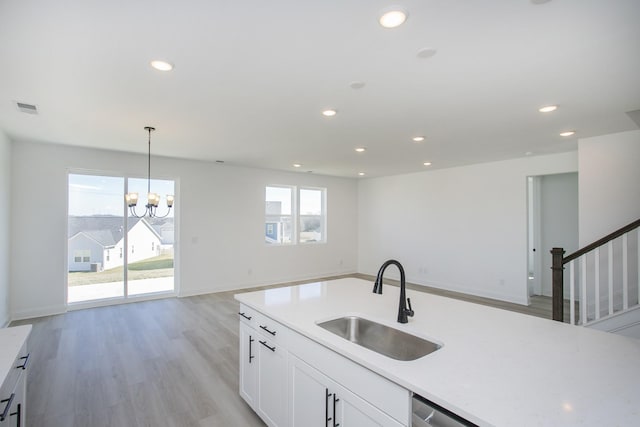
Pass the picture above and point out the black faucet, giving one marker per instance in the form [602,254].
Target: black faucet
[403,311]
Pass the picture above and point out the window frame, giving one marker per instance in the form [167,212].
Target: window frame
[295,216]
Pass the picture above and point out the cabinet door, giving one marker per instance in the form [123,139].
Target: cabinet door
[317,400]
[310,400]
[248,364]
[352,411]
[272,382]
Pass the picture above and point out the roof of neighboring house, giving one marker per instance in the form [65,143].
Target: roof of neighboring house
[108,230]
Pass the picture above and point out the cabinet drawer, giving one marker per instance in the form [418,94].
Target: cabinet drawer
[247,315]
[383,394]
[272,330]
[10,381]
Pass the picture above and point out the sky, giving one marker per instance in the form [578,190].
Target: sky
[104,195]
[310,200]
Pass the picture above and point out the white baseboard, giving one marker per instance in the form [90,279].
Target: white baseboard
[38,312]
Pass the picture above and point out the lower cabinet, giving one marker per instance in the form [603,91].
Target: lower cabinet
[13,388]
[291,381]
[272,384]
[317,400]
[263,374]
[248,365]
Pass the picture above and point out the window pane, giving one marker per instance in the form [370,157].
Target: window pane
[95,225]
[310,202]
[278,220]
[150,264]
[278,201]
[312,215]
[311,229]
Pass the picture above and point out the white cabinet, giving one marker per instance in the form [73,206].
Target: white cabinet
[263,367]
[317,400]
[14,360]
[272,382]
[248,364]
[290,380]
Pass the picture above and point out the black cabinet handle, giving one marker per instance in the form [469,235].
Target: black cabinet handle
[245,316]
[326,406]
[335,417]
[251,340]
[26,360]
[19,414]
[264,327]
[264,343]
[8,401]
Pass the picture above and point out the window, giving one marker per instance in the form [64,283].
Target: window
[294,215]
[82,255]
[98,221]
[311,215]
[279,215]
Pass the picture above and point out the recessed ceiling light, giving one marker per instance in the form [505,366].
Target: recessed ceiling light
[427,163]
[361,173]
[162,65]
[392,17]
[528,153]
[357,85]
[568,133]
[426,52]
[361,149]
[297,165]
[329,112]
[418,138]
[548,108]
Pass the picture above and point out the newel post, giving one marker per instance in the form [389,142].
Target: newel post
[557,279]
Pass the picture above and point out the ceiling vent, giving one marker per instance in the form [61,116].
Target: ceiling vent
[27,108]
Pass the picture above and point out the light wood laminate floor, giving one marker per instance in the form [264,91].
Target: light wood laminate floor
[169,362]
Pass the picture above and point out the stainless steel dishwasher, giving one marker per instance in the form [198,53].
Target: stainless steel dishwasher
[427,414]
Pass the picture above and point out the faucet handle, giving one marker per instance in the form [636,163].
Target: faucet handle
[409,311]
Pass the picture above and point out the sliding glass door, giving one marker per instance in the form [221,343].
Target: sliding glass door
[150,243]
[112,254]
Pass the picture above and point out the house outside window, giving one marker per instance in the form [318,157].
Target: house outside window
[295,215]
[82,255]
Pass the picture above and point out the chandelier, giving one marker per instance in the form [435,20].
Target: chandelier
[153,199]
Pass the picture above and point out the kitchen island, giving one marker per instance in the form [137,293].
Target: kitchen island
[495,367]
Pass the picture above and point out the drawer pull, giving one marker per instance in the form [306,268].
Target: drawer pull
[264,343]
[24,364]
[264,327]
[8,401]
[245,316]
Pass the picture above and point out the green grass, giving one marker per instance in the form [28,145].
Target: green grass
[160,266]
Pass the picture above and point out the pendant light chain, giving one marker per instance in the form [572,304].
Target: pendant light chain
[152,198]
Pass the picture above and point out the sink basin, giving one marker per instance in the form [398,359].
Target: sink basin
[380,338]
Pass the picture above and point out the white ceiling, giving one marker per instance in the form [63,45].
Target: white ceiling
[252,76]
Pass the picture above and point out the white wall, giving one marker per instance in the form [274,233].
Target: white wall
[5,208]
[220,213]
[609,183]
[463,229]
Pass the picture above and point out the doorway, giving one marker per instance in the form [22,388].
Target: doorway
[111,254]
[552,222]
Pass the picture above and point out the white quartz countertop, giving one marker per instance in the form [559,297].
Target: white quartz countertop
[496,367]
[11,341]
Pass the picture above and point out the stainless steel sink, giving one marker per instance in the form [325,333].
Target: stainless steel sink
[380,338]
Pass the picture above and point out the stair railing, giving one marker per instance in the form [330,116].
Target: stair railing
[589,260]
